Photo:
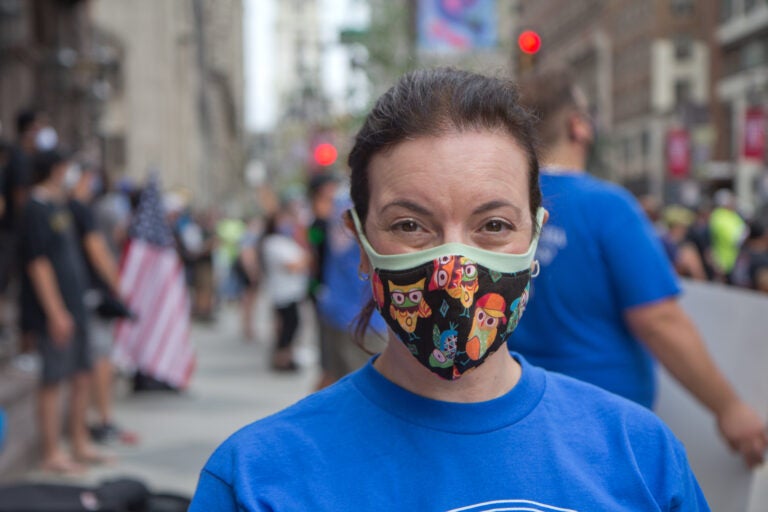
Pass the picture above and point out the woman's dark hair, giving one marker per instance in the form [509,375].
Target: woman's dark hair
[432,102]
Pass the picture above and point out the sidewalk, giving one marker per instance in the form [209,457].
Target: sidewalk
[231,387]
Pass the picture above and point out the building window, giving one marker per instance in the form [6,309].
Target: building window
[12,25]
[726,10]
[645,143]
[627,149]
[682,7]
[754,53]
[682,92]
[683,47]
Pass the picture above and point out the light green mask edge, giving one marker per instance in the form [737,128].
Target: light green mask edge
[498,261]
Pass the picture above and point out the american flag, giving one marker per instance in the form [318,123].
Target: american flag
[152,280]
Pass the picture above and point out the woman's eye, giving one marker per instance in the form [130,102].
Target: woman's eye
[407,226]
[496,226]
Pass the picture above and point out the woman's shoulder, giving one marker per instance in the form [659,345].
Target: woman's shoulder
[292,429]
[592,408]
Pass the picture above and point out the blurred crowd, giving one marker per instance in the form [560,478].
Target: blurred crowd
[62,212]
[714,241]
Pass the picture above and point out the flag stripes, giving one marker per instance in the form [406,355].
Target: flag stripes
[152,281]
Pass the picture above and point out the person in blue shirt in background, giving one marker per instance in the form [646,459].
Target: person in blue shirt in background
[340,297]
[606,304]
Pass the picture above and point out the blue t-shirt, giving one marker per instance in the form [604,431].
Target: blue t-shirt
[551,443]
[599,256]
[343,293]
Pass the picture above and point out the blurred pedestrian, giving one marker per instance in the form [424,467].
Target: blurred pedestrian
[682,253]
[229,231]
[102,299]
[112,208]
[286,270]
[606,303]
[698,234]
[751,267]
[53,285]
[16,182]
[447,211]
[322,190]
[727,230]
[5,153]
[340,300]
[204,291]
[248,271]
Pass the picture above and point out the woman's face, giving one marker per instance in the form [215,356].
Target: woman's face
[469,187]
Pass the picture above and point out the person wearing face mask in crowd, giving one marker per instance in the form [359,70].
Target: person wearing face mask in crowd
[447,210]
[606,307]
[102,299]
[5,150]
[16,177]
[53,286]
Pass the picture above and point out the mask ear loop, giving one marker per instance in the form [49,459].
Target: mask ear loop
[536,270]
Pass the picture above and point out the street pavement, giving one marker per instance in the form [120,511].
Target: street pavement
[232,386]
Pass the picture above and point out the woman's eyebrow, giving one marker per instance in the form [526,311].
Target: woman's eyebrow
[407,205]
[493,205]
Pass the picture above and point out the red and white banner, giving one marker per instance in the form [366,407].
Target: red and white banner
[754,133]
[158,342]
[678,153]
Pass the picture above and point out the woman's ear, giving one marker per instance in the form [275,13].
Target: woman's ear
[349,223]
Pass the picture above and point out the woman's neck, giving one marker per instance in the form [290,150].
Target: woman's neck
[494,378]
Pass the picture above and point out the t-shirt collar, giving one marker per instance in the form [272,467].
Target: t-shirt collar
[459,418]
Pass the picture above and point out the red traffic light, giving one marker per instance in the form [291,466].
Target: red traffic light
[529,42]
[325,154]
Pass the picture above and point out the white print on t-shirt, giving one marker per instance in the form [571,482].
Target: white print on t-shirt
[511,505]
[553,239]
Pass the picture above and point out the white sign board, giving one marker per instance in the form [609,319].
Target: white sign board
[734,324]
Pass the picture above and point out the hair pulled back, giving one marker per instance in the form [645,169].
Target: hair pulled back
[431,102]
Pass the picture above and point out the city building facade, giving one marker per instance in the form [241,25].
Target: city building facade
[177,105]
[657,77]
[742,92]
[50,61]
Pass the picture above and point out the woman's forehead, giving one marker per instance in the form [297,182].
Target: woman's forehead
[473,161]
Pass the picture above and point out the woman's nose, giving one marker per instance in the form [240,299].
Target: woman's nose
[454,234]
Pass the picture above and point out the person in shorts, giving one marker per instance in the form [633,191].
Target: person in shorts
[52,288]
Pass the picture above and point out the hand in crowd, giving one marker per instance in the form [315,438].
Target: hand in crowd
[61,327]
[745,432]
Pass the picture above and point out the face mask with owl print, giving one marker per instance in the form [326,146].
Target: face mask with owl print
[453,305]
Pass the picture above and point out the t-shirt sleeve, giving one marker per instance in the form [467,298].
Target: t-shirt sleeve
[213,493]
[84,219]
[633,254]
[35,233]
[688,496]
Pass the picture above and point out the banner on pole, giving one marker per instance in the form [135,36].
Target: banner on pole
[678,153]
[754,133]
[454,26]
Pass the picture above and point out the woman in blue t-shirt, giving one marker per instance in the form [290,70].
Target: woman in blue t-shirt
[447,212]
